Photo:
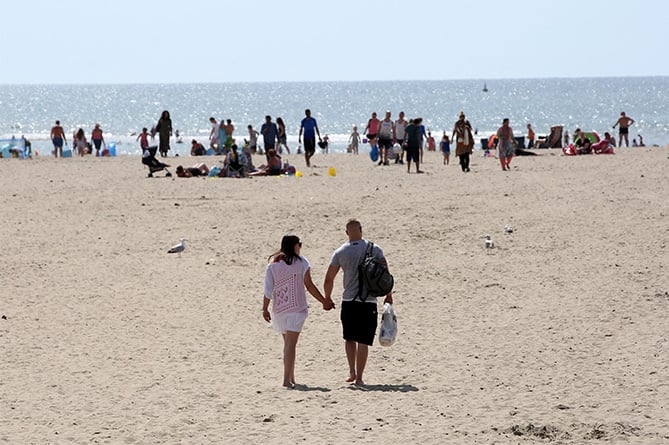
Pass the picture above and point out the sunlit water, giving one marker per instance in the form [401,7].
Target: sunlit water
[592,104]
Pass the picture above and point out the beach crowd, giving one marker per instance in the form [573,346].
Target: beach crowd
[400,141]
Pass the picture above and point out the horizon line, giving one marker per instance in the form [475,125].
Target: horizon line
[482,79]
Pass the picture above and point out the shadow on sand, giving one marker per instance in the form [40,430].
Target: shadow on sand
[305,388]
[384,388]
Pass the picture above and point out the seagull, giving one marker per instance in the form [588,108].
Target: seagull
[489,244]
[179,247]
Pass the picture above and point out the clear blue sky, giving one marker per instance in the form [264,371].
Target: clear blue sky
[139,41]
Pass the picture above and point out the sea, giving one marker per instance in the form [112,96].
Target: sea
[592,104]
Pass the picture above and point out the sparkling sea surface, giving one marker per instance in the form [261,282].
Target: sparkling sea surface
[588,103]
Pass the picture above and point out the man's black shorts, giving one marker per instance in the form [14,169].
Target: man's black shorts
[413,154]
[310,145]
[385,143]
[359,321]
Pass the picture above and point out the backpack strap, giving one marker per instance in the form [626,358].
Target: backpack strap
[368,254]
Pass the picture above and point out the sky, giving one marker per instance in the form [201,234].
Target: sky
[149,41]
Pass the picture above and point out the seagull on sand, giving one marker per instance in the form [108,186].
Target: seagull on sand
[179,247]
[489,244]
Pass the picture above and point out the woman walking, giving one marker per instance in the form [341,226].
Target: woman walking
[164,129]
[286,277]
[462,135]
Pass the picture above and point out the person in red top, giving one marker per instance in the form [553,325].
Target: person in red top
[143,139]
[372,129]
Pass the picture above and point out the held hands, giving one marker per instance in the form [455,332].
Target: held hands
[328,304]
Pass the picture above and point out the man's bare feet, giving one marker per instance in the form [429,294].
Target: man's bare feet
[351,378]
[359,383]
[289,385]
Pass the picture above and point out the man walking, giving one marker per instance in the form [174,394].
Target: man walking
[310,129]
[412,142]
[386,132]
[400,129]
[359,316]
[57,138]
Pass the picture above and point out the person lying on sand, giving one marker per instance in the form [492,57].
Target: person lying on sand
[191,172]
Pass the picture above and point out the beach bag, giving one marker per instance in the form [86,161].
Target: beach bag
[374,276]
[388,328]
[374,153]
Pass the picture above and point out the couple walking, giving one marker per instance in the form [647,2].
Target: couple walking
[288,277]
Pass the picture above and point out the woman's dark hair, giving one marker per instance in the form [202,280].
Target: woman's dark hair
[81,134]
[279,121]
[287,252]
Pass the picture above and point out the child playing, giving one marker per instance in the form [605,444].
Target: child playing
[431,143]
[143,139]
[354,140]
[445,147]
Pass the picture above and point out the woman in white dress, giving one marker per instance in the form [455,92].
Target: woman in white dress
[287,277]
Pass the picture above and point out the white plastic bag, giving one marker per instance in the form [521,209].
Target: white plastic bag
[388,328]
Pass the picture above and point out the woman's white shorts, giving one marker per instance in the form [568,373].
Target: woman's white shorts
[289,321]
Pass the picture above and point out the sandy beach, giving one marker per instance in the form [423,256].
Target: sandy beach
[557,335]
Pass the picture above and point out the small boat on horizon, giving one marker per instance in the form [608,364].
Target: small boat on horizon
[485,88]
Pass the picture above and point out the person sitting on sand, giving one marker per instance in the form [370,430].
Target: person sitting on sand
[235,163]
[197,149]
[610,139]
[272,168]
[604,146]
[191,172]
[583,144]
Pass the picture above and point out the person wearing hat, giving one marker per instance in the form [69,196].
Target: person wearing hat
[462,135]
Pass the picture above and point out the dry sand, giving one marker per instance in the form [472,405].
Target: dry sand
[559,334]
